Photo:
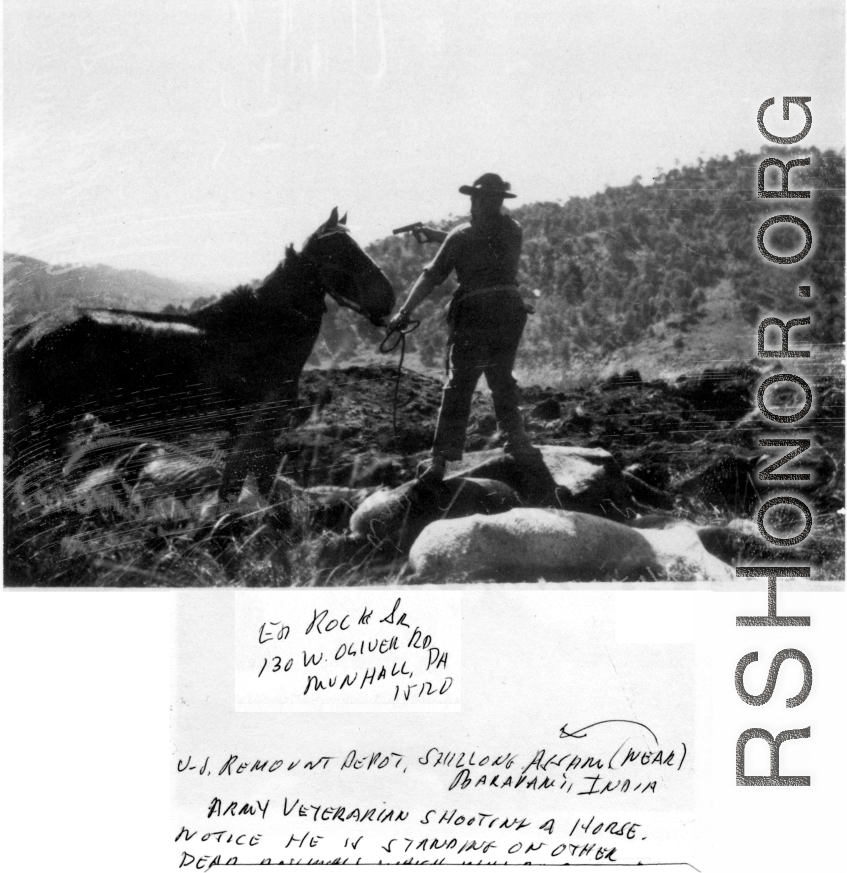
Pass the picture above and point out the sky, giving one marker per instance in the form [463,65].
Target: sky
[196,139]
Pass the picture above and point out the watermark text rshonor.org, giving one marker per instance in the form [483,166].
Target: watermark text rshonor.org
[786,423]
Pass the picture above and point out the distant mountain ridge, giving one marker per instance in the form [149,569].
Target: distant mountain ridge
[32,287]
[662,277]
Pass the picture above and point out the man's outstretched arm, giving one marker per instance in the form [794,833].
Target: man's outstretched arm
[420,291]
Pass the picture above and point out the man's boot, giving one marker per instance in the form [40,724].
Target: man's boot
[432,472]
[522,450]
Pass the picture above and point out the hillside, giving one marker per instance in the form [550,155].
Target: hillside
[32,287]
[661,284]
[663,277]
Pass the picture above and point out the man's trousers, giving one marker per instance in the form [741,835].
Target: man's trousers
[485,331]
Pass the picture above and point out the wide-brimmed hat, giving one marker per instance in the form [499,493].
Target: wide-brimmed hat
[488,183]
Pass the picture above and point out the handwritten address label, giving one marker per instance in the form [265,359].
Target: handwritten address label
[354,651]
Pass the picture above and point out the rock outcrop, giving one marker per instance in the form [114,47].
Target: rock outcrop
[392,520]
[563,477]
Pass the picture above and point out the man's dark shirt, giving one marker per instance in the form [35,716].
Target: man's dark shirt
[483,254]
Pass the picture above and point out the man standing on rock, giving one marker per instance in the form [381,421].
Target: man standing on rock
[486,319]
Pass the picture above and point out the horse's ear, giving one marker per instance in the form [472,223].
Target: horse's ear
[333,217]
[343,219]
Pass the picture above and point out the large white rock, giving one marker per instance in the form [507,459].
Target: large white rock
[560,545]
[682,555]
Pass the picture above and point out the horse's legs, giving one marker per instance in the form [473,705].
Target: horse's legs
[253,449]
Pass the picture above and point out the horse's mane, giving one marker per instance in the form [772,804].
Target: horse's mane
[287,287]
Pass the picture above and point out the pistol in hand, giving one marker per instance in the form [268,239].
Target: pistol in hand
[421,232]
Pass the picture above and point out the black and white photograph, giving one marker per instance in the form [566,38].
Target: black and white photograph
[309,294]
[423,435]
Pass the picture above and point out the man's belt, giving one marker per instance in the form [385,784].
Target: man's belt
[476,292]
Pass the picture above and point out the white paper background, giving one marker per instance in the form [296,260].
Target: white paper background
[89,759]
[87,676]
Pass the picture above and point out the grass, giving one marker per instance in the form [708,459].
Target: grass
[108,526]
[104,530]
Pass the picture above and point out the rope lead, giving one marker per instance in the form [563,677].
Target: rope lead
[385,349]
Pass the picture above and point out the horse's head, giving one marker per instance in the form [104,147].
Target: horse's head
[347,273]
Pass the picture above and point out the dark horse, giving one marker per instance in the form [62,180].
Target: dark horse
[233,365]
